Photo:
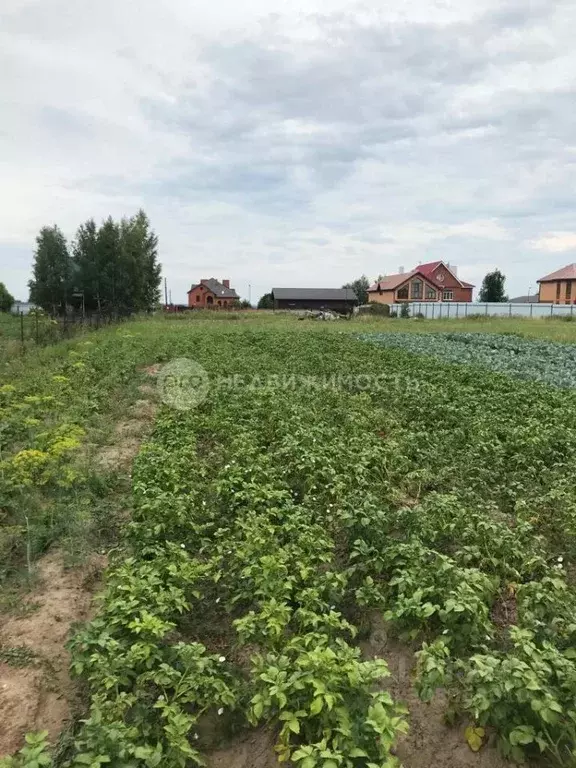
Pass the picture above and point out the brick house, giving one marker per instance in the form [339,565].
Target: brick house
[212,293]
[559,287]
[435,281]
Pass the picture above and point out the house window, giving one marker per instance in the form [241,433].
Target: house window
[568,291]
[197,298]
[416,289]
[447,295]
[558,284]
[430,293]
[219,303]
[402,293]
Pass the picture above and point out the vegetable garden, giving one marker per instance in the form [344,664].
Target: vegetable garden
[324,479]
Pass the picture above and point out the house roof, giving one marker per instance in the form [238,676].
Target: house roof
[390,282]
[532,299]
[315,294]
[566,273]
[217,288]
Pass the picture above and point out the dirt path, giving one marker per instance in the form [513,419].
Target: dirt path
[429,742]
[40,694]
[36,691]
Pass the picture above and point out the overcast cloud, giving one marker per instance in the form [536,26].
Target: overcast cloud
[293,142]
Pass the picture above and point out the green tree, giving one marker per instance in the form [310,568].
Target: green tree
[493,287]
[51,281]
[6,299]
[266,302]
[109,259]
[87,276]
[140,270]
[360,288]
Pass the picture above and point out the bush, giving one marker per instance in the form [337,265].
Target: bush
[404,311]
[382,310]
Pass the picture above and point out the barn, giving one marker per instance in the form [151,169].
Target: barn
[340,300]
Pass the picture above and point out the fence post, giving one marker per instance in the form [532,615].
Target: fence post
[531,309]
[486,307]
[448,310]
[510,310]
[440,314]
[433,308]
[465,311]
[457,309]
[551,309]
[571,309]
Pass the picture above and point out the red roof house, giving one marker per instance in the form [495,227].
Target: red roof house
[559,287]
[212,293]
[435,281]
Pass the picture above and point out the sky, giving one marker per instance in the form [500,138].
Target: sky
[294,143]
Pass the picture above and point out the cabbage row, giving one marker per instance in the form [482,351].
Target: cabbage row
[546,361]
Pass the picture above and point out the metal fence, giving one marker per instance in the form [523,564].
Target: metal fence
[453,310]
[37,329]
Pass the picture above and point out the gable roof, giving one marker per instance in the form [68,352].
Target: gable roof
[217,288]
[315,294]
[391,282]
[566,273]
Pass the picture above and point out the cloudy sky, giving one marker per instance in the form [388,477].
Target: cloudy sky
[294,142]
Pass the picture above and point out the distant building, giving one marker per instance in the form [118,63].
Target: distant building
[341,300]
[559,287]
[435,281]
[212,293]
[23,307]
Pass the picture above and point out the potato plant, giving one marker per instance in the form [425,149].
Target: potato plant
[271,520]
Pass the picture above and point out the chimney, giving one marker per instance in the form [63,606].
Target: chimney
[204,280]
[453,269]
[400,270]
[226,283]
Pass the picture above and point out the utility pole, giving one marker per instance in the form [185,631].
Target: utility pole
[165,293]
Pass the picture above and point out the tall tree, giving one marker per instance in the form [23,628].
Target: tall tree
[6,299]
[493,287]
[360,288]
[140,268]
[87,275]
[109,260]
[51,284]
[266,302]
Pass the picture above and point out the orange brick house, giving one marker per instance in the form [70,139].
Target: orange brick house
[559,287]
[435,281]
[212,293]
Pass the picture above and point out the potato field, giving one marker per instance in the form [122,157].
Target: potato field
[328,475]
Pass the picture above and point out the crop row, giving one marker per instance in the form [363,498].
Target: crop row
[268,524]
[550,362]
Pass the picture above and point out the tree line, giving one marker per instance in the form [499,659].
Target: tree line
[108,268]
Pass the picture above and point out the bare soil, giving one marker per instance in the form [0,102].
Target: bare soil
[430,741]
[42,695]
[255,750]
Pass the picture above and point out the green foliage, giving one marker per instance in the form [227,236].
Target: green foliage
[546,361]
[360,287]
[34,754]
[6,299]
[266,302]
[492,289]
[282,512]
[51,283]
[405,311]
